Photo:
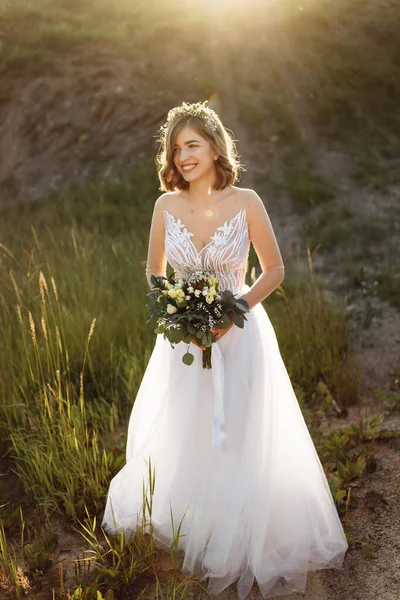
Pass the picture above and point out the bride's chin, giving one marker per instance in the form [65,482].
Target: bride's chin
[189,177]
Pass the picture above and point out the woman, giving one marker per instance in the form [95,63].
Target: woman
[256,504]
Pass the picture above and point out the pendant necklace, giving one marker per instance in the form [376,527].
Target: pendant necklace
[208,212]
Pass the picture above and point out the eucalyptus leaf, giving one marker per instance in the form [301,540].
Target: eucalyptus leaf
[188,358]
[175,335]
[238,321]
[242,304]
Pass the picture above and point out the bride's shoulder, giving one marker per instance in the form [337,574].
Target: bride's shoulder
[248,198]
[165,201]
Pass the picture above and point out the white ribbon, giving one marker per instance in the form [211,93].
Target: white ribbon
[218,436]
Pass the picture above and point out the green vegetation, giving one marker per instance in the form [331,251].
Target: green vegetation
[365,249]
[75,342]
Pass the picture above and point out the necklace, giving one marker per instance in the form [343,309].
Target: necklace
[208,212]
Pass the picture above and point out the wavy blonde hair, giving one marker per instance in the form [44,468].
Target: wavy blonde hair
[227,165]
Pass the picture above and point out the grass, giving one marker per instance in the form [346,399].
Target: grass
[320,74]
[12,579]
[75,341]
[64,284]
[293,168]
[110,563]
[314,338]
[34,28]
[336,225]
[352,50]
[364,250]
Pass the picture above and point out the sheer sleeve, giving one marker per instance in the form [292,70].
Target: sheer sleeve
[264,241]
[156,263]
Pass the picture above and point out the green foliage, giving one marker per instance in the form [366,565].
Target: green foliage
[351,469]
[334,226]
[190,320]
[116,562]
[338,493]
[391,398]
[353,68]
[347,452]
[313,337]
[337,445]
[307,189]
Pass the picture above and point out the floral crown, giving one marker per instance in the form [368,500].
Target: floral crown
[200,110]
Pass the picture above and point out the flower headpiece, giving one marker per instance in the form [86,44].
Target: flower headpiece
[198,109]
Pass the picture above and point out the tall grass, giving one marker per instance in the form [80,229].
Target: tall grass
[76,284]
[118,561]
[12,578]
[74,341]
[314,338]
[73,348]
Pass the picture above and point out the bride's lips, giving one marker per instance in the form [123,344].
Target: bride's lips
[189,167]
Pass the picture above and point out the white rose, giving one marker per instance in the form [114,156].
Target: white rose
[190,289]
[187,297]
[171,309]
[197,293]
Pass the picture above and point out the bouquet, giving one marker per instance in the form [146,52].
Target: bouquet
[186,309]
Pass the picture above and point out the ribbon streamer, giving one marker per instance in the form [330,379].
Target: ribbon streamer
[218,436]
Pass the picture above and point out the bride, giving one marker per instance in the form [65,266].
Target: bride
[233,457]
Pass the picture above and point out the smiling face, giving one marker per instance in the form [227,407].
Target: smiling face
[193,156]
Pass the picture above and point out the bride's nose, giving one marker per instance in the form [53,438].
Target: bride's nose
[184,154]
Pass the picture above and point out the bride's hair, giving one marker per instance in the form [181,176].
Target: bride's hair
[209,126]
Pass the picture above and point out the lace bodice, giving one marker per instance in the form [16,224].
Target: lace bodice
[225,255]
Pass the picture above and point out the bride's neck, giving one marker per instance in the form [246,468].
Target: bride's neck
[201,192]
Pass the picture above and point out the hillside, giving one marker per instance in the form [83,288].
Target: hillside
[311,93]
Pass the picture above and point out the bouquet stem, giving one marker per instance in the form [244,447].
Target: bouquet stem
[207,358]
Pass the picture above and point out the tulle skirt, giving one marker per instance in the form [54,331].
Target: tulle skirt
[234,463]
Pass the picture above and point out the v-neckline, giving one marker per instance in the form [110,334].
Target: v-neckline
[227,222]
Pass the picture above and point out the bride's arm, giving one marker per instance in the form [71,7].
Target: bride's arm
[156,263]
[264,241]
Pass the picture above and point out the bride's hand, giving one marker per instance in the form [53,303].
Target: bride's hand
[217,332]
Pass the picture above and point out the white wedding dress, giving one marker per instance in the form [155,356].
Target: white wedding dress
[229,445]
